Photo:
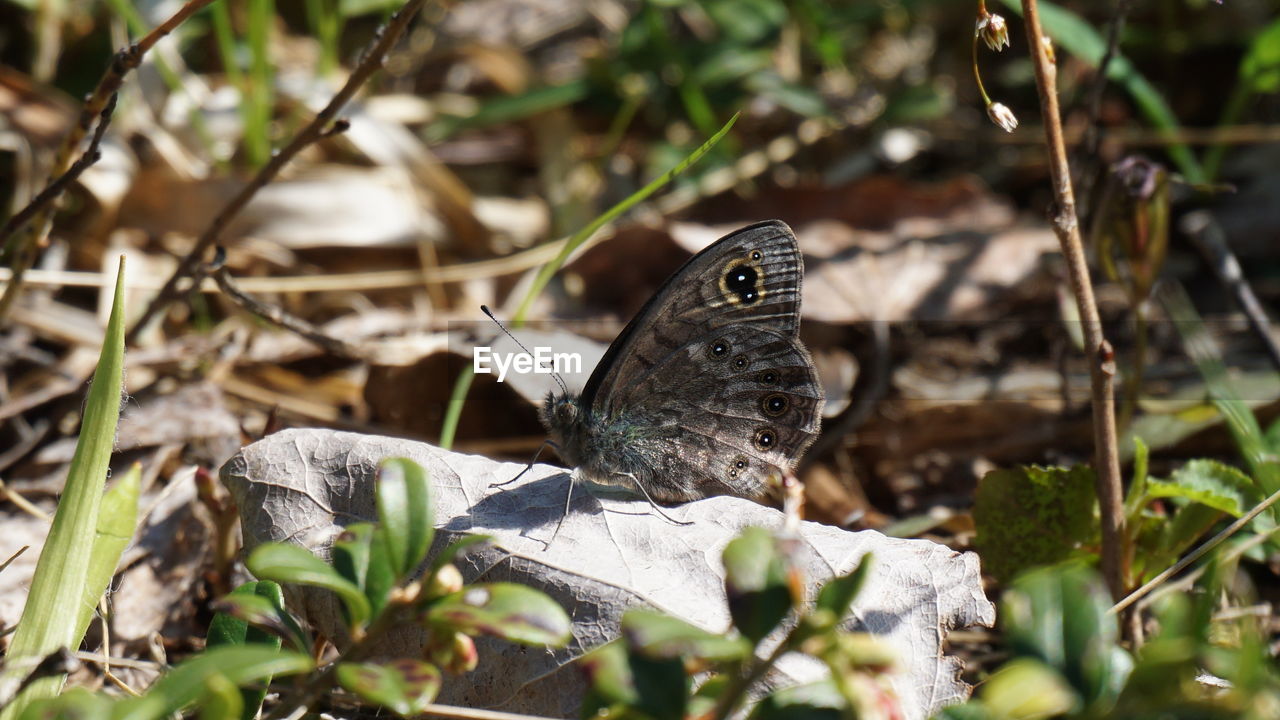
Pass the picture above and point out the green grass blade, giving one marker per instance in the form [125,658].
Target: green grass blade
[463,384]
[116,523]
[50,618]
[1239,418]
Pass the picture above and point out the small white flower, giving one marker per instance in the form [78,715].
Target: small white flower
[1002,116]
[993,31]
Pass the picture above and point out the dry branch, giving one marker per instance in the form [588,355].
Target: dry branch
[56,187]
[1100,355]
[318,129]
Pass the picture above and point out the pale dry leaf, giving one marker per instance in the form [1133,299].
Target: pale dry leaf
[612,554]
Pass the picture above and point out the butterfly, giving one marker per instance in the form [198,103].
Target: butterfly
[708,390]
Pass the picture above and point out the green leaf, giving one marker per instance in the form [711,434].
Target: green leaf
[77,703]
[1060,616]
[254,613]
[1210,483]
[362,556]
[222,700]
[1027,688]
[837,594]
[510,108]
[756,583]
[116,522]
[1138,486]
[188,682]
[745,22]
[1260,67]
[1032,516]
[814,701]
[662,637]
[799,99]
[609,681]
[286,563]
[51,617]
[404,514]
[404,685]
[354,8]
[351,552]
[661,685]
[506,610]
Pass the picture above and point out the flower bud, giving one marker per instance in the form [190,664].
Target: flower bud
[993,30]
[446,580]
[1002,116]
[456,654]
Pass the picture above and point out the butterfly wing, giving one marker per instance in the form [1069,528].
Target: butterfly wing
[710,378]
[724,414]
[751,276]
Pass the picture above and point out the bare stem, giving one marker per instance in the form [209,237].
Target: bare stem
[56,187]
[277,316]
[316,130]
[1099,352]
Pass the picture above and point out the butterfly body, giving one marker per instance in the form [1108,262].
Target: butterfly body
[708,390]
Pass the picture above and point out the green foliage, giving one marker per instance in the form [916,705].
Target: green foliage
[292,564]
[376,574]
[756,567]
[505,610]
[647,673]
[261,603]
[404,686]
[661,636]
[1032,516]
[83,545]
[1066,661]
[117,519]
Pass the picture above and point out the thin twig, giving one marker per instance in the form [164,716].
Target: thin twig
[276,315]
[126,60]
[1208,236]
[51,191]
[1184,583]
[1100,355]
[1199,552]
[319,128]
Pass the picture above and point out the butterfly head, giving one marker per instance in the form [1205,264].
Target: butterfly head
[560,414]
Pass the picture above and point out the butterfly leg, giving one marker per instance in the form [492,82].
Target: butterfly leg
[656,507]
[568,498]
[528,467]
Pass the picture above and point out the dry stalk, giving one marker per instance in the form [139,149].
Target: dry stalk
[1100,355]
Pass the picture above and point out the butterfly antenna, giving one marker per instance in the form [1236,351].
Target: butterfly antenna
[559,380]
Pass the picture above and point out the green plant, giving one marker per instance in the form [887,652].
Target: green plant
[1033,516]
[88,533]
[375,575]
[648,673]
[1067,662]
